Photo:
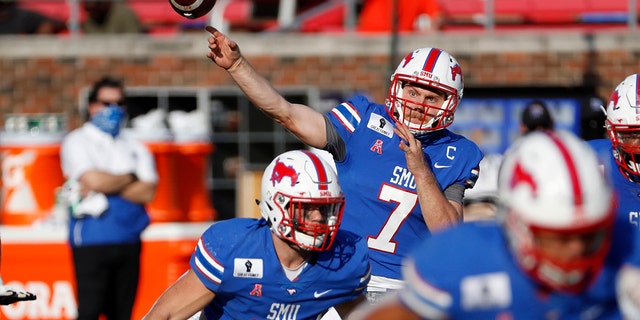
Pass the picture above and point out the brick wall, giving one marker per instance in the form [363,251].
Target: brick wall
[46,74]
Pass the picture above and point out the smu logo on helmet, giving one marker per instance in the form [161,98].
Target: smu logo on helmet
[280,170]
[407,59]
[425,75]
[455,71]
[520,175]
[614,99]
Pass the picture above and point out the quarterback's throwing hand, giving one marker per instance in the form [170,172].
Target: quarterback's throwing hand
[12,295]
[222,50]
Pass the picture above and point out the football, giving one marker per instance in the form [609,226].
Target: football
[192,9]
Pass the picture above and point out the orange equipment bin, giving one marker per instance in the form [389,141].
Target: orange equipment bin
[192,160]
[40,261]
[31,174]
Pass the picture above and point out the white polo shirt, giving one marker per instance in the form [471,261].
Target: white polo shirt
[89,148]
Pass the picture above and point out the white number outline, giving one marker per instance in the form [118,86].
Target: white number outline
[406,201]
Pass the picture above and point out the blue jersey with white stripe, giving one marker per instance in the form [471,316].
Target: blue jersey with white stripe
[236,259]
[627,192]
[380,192]
[478,278]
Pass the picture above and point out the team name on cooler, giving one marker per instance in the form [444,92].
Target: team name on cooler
[402,177]
[283,311]
[55,301]
[19,192]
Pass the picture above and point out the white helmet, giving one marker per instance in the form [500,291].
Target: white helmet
[293,183]
[432,68]
[551,182]
[623,126]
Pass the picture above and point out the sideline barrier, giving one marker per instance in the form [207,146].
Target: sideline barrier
[166,250]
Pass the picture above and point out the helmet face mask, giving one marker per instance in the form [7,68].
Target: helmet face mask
[626,149]
[302,200]
[623,127]
[557,209]
[313,223]
[431,69]
[546,255]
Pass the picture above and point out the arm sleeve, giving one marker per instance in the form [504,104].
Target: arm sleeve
[454,192]
[335,144]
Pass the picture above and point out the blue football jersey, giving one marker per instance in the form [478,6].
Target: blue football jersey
[236,259]
[380,192]
[627,192]
[476,277]
[628,197]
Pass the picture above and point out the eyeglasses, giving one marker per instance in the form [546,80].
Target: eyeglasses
[121,103]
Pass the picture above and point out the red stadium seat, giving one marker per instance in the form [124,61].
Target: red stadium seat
[607,6]
[238,11]
[328,16]
[536,13]
[55,9]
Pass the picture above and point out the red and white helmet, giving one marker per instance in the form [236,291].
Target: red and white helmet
[293,182]
[623,126]
[431,68]
[551,182]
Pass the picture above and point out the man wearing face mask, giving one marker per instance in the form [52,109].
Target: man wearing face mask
[110,178]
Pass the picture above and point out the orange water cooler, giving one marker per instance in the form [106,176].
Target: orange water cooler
[31,174]
[165,206]
[192,170]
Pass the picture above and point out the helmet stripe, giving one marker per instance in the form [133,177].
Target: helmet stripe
[322,173]
[573,171]
[637,93]
[432,58]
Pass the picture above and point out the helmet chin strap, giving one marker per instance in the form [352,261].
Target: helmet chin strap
[435,121]
[264,208]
